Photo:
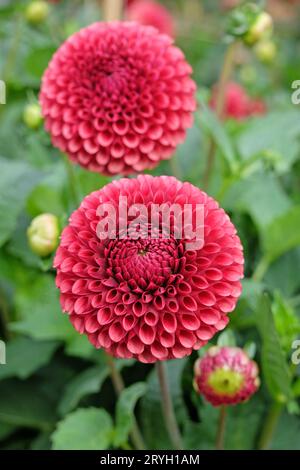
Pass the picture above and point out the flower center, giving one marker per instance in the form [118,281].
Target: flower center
[226,382]
[143,263]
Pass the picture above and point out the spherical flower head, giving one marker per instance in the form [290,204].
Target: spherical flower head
[237,104]
[148,294]
[151,13]
[226,376]
[118,97]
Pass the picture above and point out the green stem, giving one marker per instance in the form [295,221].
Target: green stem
[73,184]
[270,426]
[175,168]
[119,386]
[295,301]
[225,75]
[113,10]
[221,428]
[261,269]
[10,63]
[167,407]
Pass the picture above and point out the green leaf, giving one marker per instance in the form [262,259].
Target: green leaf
[252,196]
[41,315]
[41,442]
[38,59]
[286,436]
[187,158]
[296,388]
[85,383]
[45,198]
[18,247]
[282,234]
[19,406]
[226,338]
[276,134]
[286,320]
[16,181]
[125,411]
[79,346]
[89,181]
[24,356]
[274,366]
[84,429]
[242,425]
[250,349]
[283,274]
[6,430]
[215,128]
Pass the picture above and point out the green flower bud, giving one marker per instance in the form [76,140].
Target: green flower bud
[37,11]
[260,29]
[266,51]
[43,234]
[32,115]
[248,74]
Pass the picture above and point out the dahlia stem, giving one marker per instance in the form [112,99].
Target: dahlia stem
[72,181]
[115,375]
[119,386]
[261,269]
[270,426]
[167,407]
[221,428]
[12,54]
[113,10]
[225,75]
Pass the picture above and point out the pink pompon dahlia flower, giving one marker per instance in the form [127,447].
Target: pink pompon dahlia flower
[238,105]
[226,376]
[117,97]
[151,13]
[142,294]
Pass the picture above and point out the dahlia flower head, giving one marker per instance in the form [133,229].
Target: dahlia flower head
[151,13]
[146,297]
[117,97]
[226,376]
[238,105]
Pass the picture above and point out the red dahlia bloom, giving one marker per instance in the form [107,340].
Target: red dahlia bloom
[226,376]
[118,97]
[238,105]
[148,12]
[148,298]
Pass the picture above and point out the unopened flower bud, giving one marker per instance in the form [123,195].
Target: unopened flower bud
[260,29]
[43,234]
[266,51]
[37,11]
[226,376]
[32,115]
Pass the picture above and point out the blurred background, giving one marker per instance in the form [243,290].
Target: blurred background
[52,373]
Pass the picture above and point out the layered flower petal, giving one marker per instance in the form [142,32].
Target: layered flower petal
[226,376]
[143,292]
[118,97]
